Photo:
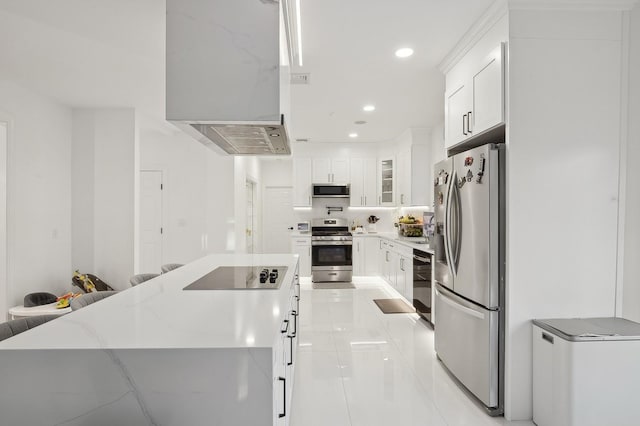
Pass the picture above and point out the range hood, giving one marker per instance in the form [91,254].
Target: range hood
[227,82]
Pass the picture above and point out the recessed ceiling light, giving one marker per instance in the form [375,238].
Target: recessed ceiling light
[405,52]
[353,135]
[369,108]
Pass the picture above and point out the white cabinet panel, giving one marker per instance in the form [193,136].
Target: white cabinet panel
[340,170]
[301,245]
[488,93]
[476,103]
[321,170]
[331,170]
[387,182]
[365,256]
[458,105]
[302,182]
[363,182]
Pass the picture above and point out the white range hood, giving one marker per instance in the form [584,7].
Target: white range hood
[227,81]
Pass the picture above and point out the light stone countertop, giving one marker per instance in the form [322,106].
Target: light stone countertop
[159,314]
[393,236]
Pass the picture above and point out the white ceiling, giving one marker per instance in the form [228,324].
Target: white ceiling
[110,53]
[348,48]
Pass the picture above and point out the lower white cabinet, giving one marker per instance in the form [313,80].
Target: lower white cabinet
[397,267]
[284,359]
[365,256]
[301,245]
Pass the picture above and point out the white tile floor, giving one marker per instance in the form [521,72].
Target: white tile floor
[359,367]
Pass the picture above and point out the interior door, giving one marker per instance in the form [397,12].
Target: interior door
[277,219]
[150,220]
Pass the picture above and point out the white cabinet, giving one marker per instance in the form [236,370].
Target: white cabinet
[365,256]
[330,170]
[414,176]
[475,103]
[284,359]
[397,267]
[363,182]
[302,182]
[301,245]
[386,181]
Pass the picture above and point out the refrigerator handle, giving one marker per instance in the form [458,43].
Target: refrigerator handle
[472,312]
[456,225]
[447,223]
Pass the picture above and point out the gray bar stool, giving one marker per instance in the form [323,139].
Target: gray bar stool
[140,278]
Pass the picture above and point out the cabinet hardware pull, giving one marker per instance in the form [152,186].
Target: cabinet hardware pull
[295,322]
[286,328]
[401,198]
[365,200]
[547,337]
[469,122]
[464,132]
[290,350]
[284,399]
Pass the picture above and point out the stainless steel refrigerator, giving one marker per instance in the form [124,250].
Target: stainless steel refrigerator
[469,270]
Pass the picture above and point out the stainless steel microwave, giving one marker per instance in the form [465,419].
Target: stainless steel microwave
[323,190]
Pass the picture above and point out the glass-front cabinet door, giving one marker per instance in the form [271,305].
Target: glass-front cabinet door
[387,183]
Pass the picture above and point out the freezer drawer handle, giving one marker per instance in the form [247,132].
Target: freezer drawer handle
[547,337]
[461,308]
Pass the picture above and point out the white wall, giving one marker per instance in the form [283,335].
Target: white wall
[631,277]
[246,168]
[39,193]
[562,177]
[198,191]
[104,189]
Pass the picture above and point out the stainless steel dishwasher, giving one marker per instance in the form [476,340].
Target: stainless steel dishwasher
[422,285]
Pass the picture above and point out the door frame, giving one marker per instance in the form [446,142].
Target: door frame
[5,215]
[162,215]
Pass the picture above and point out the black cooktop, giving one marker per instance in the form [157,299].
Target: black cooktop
[241,278]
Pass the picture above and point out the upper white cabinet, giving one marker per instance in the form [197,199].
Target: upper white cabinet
[330,170]
[414,176]
[475,101]
[363,182]
[302,182]
[387,181]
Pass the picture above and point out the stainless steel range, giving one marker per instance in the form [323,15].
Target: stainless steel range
[331,245]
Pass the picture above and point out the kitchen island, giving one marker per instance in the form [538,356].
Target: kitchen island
[156,354]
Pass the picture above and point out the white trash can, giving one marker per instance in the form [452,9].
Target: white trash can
[586,371]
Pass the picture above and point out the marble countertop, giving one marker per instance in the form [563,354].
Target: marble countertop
[159,314]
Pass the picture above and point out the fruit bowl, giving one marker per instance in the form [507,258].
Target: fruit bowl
[410,230]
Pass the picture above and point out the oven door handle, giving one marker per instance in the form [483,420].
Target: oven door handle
[331,243]
[421,259]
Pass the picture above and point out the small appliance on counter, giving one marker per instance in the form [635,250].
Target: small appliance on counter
[372,223]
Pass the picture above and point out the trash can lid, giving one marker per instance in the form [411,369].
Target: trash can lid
[589,329]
